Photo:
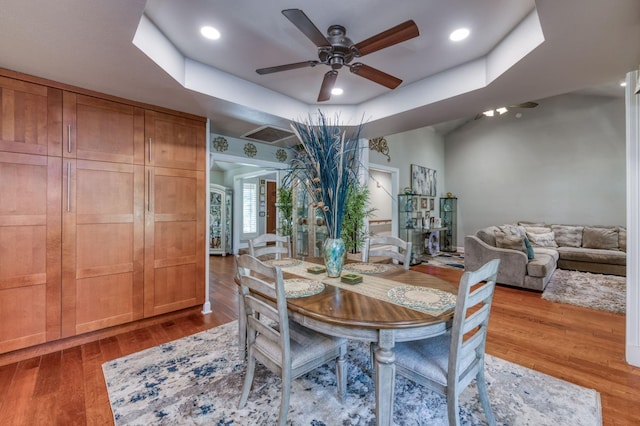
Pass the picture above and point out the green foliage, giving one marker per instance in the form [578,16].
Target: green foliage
[285,204]
[356,211]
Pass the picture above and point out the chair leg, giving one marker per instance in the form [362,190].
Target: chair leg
[286,392]
[484,397]
[242,327]
[341,374]
[248,380]
[452,406]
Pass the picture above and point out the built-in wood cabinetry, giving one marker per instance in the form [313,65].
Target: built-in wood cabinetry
[102,219]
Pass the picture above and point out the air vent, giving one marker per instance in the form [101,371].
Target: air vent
[268,134]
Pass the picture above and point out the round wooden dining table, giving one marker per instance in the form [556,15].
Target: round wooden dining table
[343,311]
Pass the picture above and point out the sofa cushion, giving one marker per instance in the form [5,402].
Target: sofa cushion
[605,238]
[537,229]
[581,254]
[511,242]
[487,235]
[549,251]
[542,240]
[526,223]
[622,238]
[541,266]
[513,230]
[568,235]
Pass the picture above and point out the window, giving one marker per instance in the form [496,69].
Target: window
[249,208]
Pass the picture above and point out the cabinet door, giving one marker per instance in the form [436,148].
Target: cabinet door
[175,142]
[174,240]
[30,118]
[30,233]
[102,130]
[103,245]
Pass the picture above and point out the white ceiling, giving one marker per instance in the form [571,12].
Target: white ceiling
[151,51]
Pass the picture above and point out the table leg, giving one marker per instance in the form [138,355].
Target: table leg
[385,372]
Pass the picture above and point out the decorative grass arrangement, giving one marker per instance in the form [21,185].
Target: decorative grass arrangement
[326,164]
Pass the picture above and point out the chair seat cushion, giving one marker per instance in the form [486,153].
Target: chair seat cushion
[428,358]
[306,345]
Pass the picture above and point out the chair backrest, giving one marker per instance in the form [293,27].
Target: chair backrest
[469,330]
[390,247]
[259,285]
[260,246]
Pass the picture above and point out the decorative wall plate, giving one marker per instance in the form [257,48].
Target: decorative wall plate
[281,155]
[300,287]
[220,144]
[283,263]
[422,298]
[365,268]
[250,150]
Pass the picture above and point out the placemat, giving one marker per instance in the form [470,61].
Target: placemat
[422,298]
[302,287]
[365,268]
[283,263]
[372,285]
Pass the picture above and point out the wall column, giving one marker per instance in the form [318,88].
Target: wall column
[633,220]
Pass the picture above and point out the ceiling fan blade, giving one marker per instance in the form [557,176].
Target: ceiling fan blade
[327,84]
[287,67]
[402,32]
[304,24]
[525,105]
[375,75]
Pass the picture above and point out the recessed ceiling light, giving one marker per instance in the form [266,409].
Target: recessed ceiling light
[501,110]
[459,34]
[337,91]
[210,33]
[623,84]
[488,113]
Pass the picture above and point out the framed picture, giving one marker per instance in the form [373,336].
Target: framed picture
[423,181]
[424,203]
[432,203]
[414,202]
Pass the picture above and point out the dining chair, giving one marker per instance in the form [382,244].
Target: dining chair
[387,246]
[270,244]
[286,348]
[448,363]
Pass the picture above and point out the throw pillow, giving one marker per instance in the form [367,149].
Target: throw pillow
[542,240]
[622,238]
[537,229]
[568,236]
[511,242]
[530,253]
[525,223]
[514,230]
[600,238]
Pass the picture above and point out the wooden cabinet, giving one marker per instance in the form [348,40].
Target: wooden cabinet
[95,231]
[29,249]
[103,245]
[174,240]
[30,118]
[174,142]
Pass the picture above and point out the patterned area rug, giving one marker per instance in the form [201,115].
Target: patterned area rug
[596,291]
[446,260]
[197,380]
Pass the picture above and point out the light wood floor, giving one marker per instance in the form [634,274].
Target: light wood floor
[62,383]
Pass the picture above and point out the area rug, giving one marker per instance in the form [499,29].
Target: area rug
[446,260]
[197,380]
[596,291]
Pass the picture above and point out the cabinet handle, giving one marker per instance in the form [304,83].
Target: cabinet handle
[150,150]
[69,138]
[149,191]
[69,186]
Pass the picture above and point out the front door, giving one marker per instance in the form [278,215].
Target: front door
[271,207]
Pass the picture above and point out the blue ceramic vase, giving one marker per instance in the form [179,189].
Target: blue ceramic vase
[334,251]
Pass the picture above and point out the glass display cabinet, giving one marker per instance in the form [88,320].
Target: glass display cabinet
[309,229]
[448,215]
[220,217]
[410,224]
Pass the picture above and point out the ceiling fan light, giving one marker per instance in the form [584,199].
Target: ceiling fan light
[488,113]
[210,33]
[501,110]
[337,91]
[459,34]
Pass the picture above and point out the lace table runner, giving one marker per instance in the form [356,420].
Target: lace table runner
[373,286]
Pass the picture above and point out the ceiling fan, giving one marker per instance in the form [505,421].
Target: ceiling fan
[337,50]
[502,110]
